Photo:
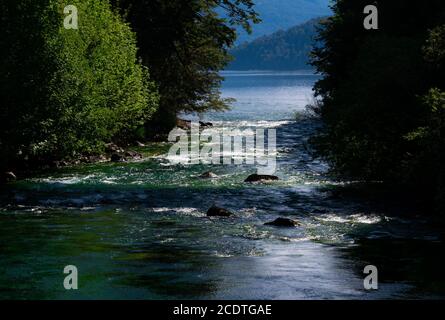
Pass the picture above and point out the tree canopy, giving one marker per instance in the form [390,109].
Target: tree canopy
[382,93]
[185,44]
[126,72]
[66,91]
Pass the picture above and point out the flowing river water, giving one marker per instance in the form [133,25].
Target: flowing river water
[139,230]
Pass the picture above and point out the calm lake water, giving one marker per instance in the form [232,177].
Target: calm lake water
[138,230]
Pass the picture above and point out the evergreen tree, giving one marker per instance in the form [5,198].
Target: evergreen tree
[185,44]
[372,88]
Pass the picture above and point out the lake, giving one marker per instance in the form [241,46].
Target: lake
[139,230]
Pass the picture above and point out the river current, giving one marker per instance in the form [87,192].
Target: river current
[139,230]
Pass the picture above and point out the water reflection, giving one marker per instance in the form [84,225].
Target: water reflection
[139,230]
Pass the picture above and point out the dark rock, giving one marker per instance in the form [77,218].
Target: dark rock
[133,154]
[205,124]
[218,212]
[54,164]
[184,124]
[283,222]
[8,177]
[187,124]
[115,157]
[113,148]
[63,164]
[93,159]
[261,178]
[59,164]
[100,158]
[208,175]
[84,159]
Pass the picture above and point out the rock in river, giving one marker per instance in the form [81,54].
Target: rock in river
[218,212]
[283,222]
[184,124]
[261,178]
[208,175]
[205,125]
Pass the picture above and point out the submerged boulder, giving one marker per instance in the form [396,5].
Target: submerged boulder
[215,211]
[261,178]
[208,175]
[283,222]
[205,125]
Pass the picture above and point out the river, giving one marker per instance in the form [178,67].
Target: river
[139,230]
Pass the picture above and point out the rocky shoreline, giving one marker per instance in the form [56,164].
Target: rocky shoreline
[113,153]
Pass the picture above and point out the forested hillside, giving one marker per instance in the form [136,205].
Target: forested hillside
[283,50]
[284,14]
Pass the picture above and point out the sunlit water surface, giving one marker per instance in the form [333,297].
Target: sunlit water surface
[139,231]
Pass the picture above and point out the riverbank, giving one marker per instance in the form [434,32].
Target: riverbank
[112,154]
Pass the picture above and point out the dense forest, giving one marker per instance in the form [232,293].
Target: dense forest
[382,95]
[282,50]
[123,74]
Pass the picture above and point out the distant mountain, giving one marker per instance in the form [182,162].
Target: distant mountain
[283,14]
[282,50]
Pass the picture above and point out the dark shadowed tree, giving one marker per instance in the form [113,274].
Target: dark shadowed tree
[372,88]
[185,44]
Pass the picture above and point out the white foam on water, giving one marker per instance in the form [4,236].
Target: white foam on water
[182,210]
[355,218]
[70,180]
[261,124]
[168,240]
[222,255]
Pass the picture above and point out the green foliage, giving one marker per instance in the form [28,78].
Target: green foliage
[377,125]
[435,48]
[65,92]
[429,162]
[185,44]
